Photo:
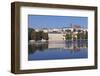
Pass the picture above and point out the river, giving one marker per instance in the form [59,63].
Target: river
[52,50]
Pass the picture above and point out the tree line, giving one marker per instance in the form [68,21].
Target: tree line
[34,35]
[80,35]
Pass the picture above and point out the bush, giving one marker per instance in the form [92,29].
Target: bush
[68,37]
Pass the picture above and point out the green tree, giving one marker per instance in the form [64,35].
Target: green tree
[68,36]
[79,35]
[29,33]
[86,35]
[39,35]
[33,35]
[45,36]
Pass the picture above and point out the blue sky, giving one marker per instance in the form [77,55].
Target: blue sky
[46,21]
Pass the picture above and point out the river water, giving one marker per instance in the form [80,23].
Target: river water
[51,50]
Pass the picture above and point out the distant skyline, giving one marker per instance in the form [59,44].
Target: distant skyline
[47,21]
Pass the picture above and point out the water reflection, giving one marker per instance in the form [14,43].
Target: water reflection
[41,46]
[76,45]
[72,46]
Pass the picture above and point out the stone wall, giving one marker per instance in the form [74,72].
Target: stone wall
[55,36]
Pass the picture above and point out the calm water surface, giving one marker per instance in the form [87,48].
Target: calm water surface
[58,50]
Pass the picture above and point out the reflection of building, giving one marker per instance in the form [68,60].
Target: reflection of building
[56,44]
[71,45]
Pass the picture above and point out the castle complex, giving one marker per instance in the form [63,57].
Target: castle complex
[59,34]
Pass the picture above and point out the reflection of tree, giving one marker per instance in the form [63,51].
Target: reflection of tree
[72,45]
[37,46]
[76,45]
